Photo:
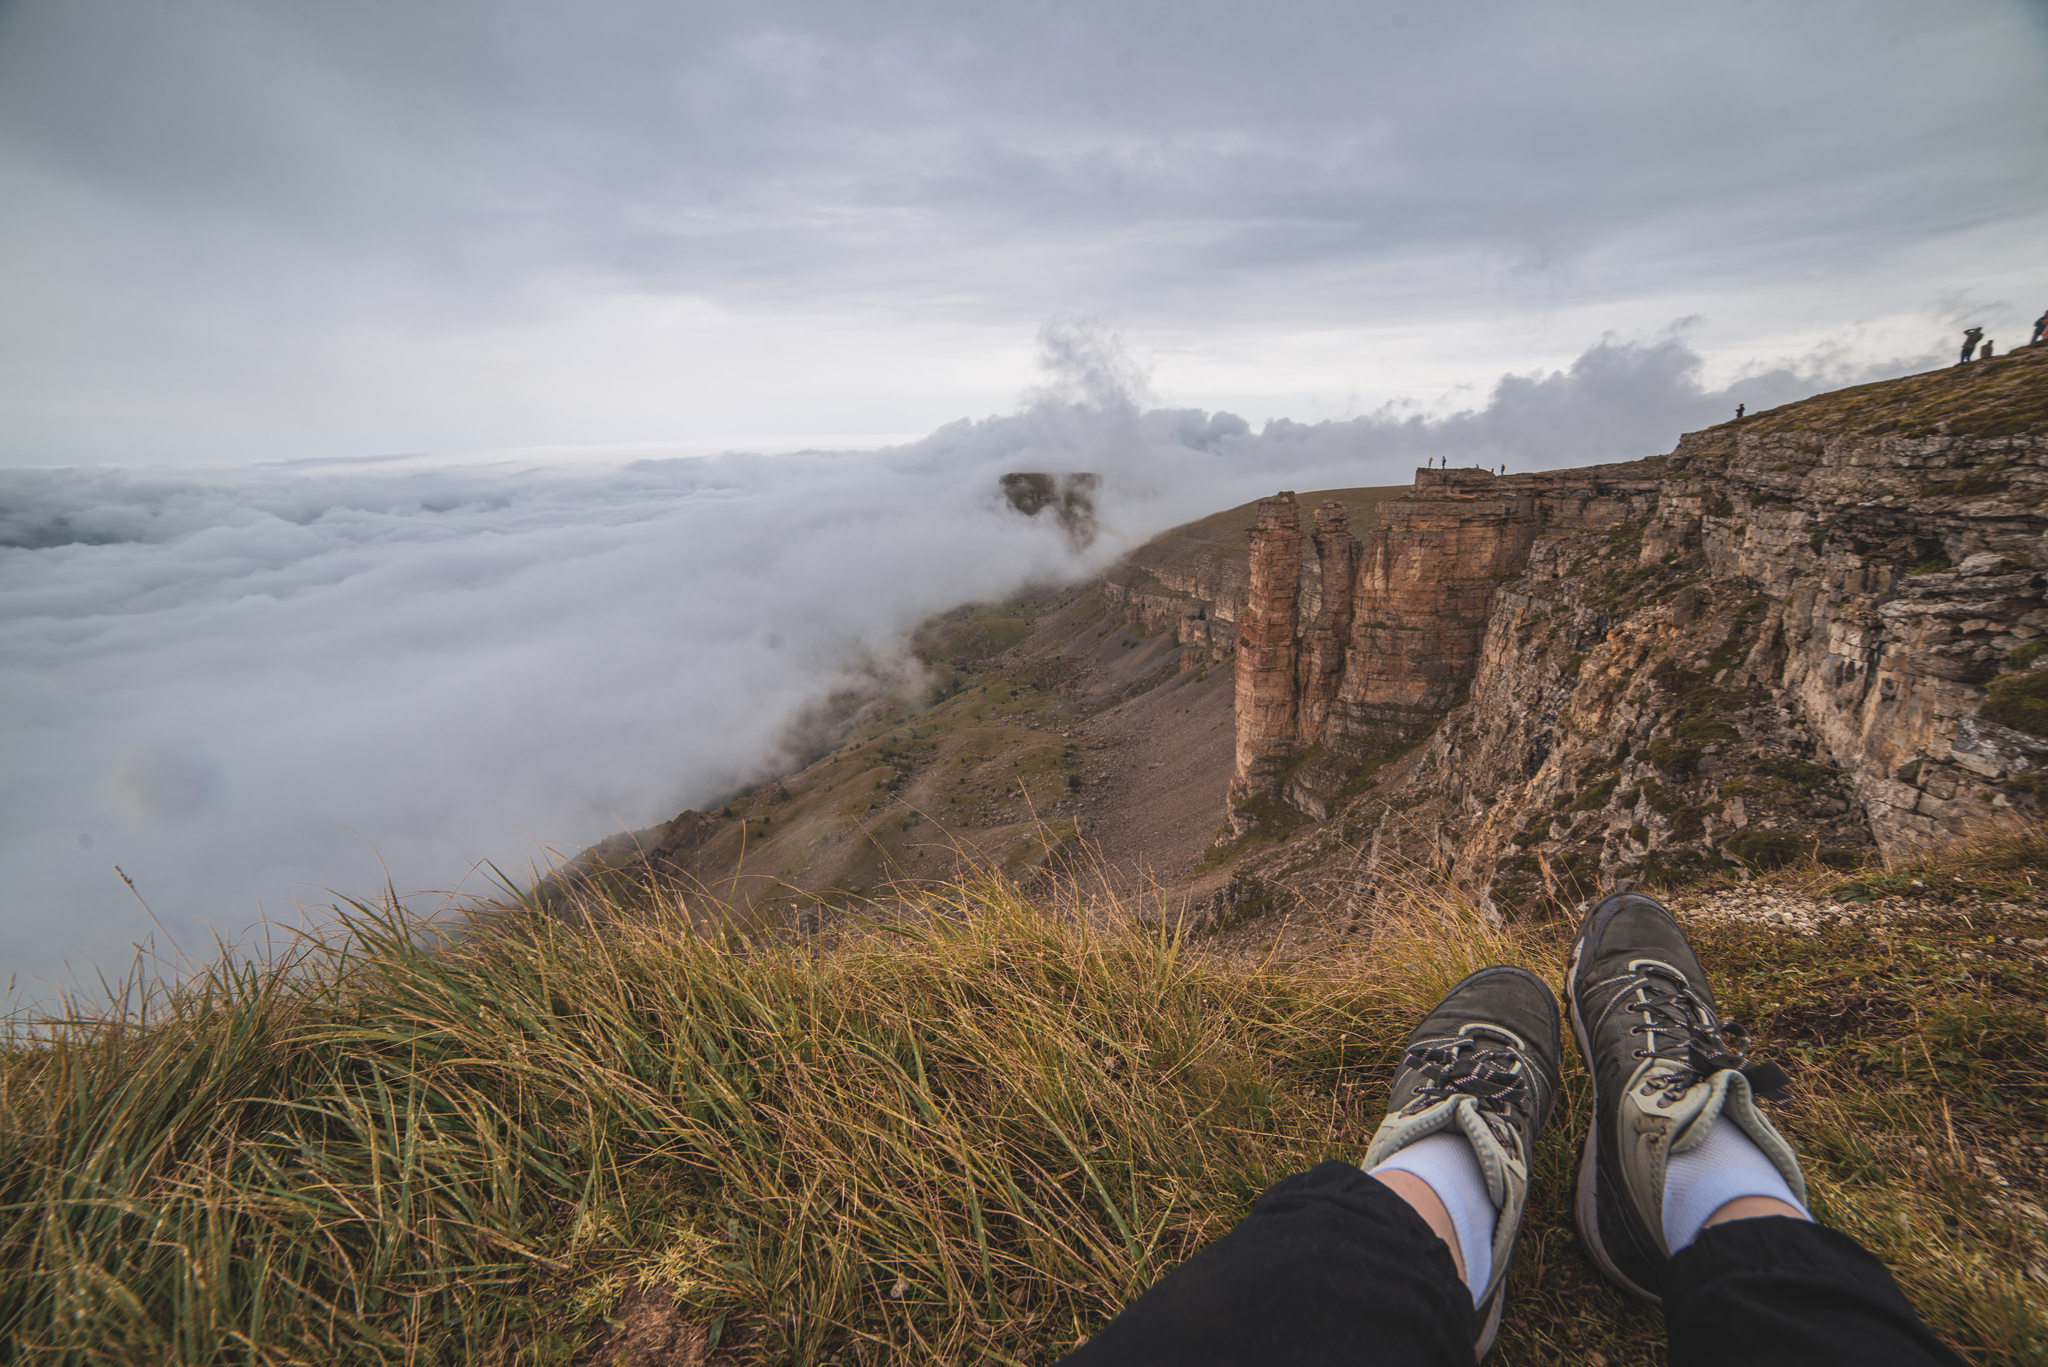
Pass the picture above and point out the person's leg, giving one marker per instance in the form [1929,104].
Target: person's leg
[1338,1266]
[1687,1193]
[1330,1267]
[1786,1292]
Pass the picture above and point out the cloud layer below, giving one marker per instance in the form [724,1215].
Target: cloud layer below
[245,685]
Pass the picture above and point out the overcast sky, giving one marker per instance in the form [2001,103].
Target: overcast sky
[239,230]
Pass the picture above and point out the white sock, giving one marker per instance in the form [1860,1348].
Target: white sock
[1445,1160]
[1725,1165]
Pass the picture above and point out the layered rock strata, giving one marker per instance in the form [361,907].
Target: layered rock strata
[1268,693]
[1772,643]
[1194,579]
[1328,637]
[1417,592]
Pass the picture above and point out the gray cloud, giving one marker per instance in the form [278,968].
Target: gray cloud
[153,784]
[254,683]
[286,229]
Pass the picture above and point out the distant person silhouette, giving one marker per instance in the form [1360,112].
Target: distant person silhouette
[1739,408]
[1990,350]
[2040,327]
[1970,338]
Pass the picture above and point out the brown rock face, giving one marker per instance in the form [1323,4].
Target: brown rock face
[1267,691]
[1328,638]
[1772,644]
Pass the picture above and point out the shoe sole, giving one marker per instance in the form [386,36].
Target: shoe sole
[1491,1329]
[1586,1204]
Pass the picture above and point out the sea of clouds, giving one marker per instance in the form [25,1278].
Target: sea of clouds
[248,686]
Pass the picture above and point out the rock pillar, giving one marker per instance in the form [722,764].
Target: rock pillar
[1323,645]
[1266,654]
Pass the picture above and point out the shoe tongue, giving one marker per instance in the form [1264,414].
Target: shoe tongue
[1694,1113]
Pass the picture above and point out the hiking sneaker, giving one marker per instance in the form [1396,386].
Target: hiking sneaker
[1483,1064]
[1666,1069]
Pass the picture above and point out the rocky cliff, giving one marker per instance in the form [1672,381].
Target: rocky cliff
[1775,641]
[1814,631]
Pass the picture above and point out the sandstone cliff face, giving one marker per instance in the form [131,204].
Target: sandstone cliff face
[1772,642]
[1327,640]
[1268,693]
[1194,579]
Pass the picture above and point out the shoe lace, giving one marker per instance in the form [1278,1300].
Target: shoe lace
[1493,1075]
[1686,1037]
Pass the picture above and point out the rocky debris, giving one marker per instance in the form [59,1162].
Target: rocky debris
[1795,913]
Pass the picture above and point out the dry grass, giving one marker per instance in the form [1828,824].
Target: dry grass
[969,1136]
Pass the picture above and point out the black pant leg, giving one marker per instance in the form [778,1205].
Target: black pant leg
[1330,1267]
[1780,1292]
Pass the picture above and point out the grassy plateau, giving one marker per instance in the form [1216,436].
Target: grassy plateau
[963,1134]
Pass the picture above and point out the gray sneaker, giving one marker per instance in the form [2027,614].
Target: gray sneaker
[1666,1069]
[1483,1064]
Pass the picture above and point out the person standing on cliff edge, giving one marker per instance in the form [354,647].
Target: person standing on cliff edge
[1740,408]
[2040,327]
[1970,336]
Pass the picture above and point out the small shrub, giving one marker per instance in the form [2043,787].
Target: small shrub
[1596,796]
[2026,654]
[1673,677]
[1674,757]
[1765,849]
[1663,868]
[1704,730]
[1871,887]
[2034,784]
[2019,701]
[1795,771]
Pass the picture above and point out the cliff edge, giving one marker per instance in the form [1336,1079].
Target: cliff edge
[1777,641]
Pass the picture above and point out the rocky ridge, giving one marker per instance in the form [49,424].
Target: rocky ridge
[1778,641]
[1771,643]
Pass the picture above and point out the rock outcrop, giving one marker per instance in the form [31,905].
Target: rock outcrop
[1327,639]
[1773,642]
[1199,575]
[1268,693]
